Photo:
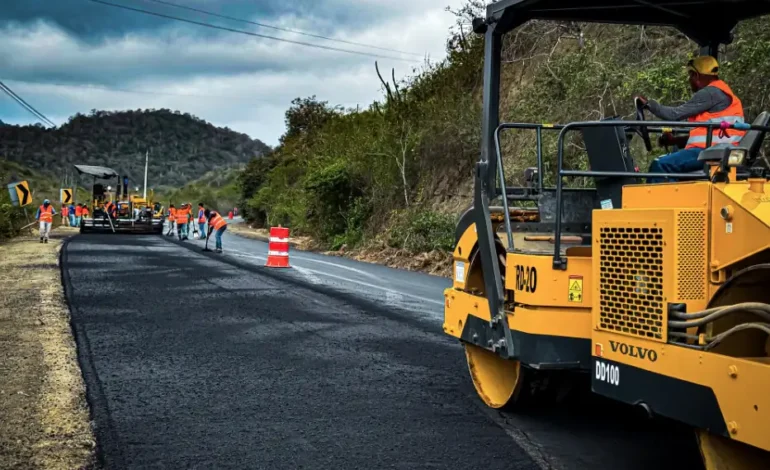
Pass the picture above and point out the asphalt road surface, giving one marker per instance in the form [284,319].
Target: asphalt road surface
[200,360]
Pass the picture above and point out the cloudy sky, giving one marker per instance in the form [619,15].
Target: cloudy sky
[68,56]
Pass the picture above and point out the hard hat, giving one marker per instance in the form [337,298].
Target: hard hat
[704,65]
[46,202]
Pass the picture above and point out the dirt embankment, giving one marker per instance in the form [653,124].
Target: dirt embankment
[436,262]
[44,419]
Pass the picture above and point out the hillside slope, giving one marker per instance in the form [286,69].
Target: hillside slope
[397,174]
[182,147]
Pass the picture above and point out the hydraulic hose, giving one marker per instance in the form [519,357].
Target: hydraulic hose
[707,316]
[744,326]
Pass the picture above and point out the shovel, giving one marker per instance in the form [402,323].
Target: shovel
[206,248]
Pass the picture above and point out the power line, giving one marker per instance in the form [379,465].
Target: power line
[26,105]
[124,90]
[277,28]
[248,33]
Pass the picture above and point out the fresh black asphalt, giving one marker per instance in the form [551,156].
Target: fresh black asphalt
[192,360]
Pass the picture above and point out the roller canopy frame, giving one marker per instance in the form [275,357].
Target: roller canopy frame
[100,172]
[704,21]
[707,22]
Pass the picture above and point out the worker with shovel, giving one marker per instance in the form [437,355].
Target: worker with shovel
[183,220]
[202,220]
[45,215]
[216,222]
[171,219]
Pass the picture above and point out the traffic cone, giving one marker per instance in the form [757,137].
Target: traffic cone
[278,248]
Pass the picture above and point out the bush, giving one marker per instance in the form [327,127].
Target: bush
[331,193]
[422,231]
[11,218]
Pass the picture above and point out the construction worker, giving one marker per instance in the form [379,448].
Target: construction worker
[74,214]
[216,222]
[45,215]
[202,220]
[183,220]
[111,209]
[84,212]
[713,101]
[65,220]
[171,219]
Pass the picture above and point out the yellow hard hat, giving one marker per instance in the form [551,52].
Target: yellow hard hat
[704,65]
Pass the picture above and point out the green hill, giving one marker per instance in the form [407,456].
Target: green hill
[399,171]
[182,147]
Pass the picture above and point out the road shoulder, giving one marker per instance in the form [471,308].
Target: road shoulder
[45,420]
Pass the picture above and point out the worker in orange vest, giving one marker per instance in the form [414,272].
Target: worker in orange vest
[183,220]
[111,209]
[65,215]
[78,213]
[202,220]
[216,222]
[84,211]
[712,102]
[171,219]
[45,215]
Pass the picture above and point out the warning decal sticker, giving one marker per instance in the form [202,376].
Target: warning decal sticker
[575,289]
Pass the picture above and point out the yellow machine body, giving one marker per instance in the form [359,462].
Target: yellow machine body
[689,245]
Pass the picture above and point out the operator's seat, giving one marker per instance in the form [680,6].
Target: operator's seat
[751,141]
[607,149]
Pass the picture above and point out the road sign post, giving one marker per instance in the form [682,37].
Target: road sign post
[65,195]
[20,193]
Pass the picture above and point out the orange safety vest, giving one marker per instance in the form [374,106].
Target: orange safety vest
[732,114]
[84,212]
[201,216]
[46,214]
[217,221]
[172,214]
[64,211]
[183,215]
[78,211]
[110,207]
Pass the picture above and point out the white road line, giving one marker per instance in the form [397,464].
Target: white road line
[308,275]
[306,271]
[373,286]
[357,271]
[329,263]
[394,298]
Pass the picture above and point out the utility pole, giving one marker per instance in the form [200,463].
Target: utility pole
[146,164]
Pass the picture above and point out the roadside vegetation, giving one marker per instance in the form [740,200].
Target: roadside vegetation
[217,189]
[12,218]
[396,174]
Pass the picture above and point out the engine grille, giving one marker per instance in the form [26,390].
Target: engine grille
[631,280]
[691,258]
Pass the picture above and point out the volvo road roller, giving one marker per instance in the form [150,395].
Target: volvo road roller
[660,292]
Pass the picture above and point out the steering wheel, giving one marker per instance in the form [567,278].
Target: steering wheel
[642,130]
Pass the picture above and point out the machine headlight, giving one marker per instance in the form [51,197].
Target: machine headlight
[736,157]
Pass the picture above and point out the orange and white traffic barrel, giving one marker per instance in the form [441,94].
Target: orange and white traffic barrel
[278,248]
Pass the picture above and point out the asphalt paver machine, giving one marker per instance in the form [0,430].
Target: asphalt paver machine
[659,292]
[133,214]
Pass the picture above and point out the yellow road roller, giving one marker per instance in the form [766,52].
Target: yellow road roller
[659,292]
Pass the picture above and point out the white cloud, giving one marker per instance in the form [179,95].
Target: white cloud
[259,77]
